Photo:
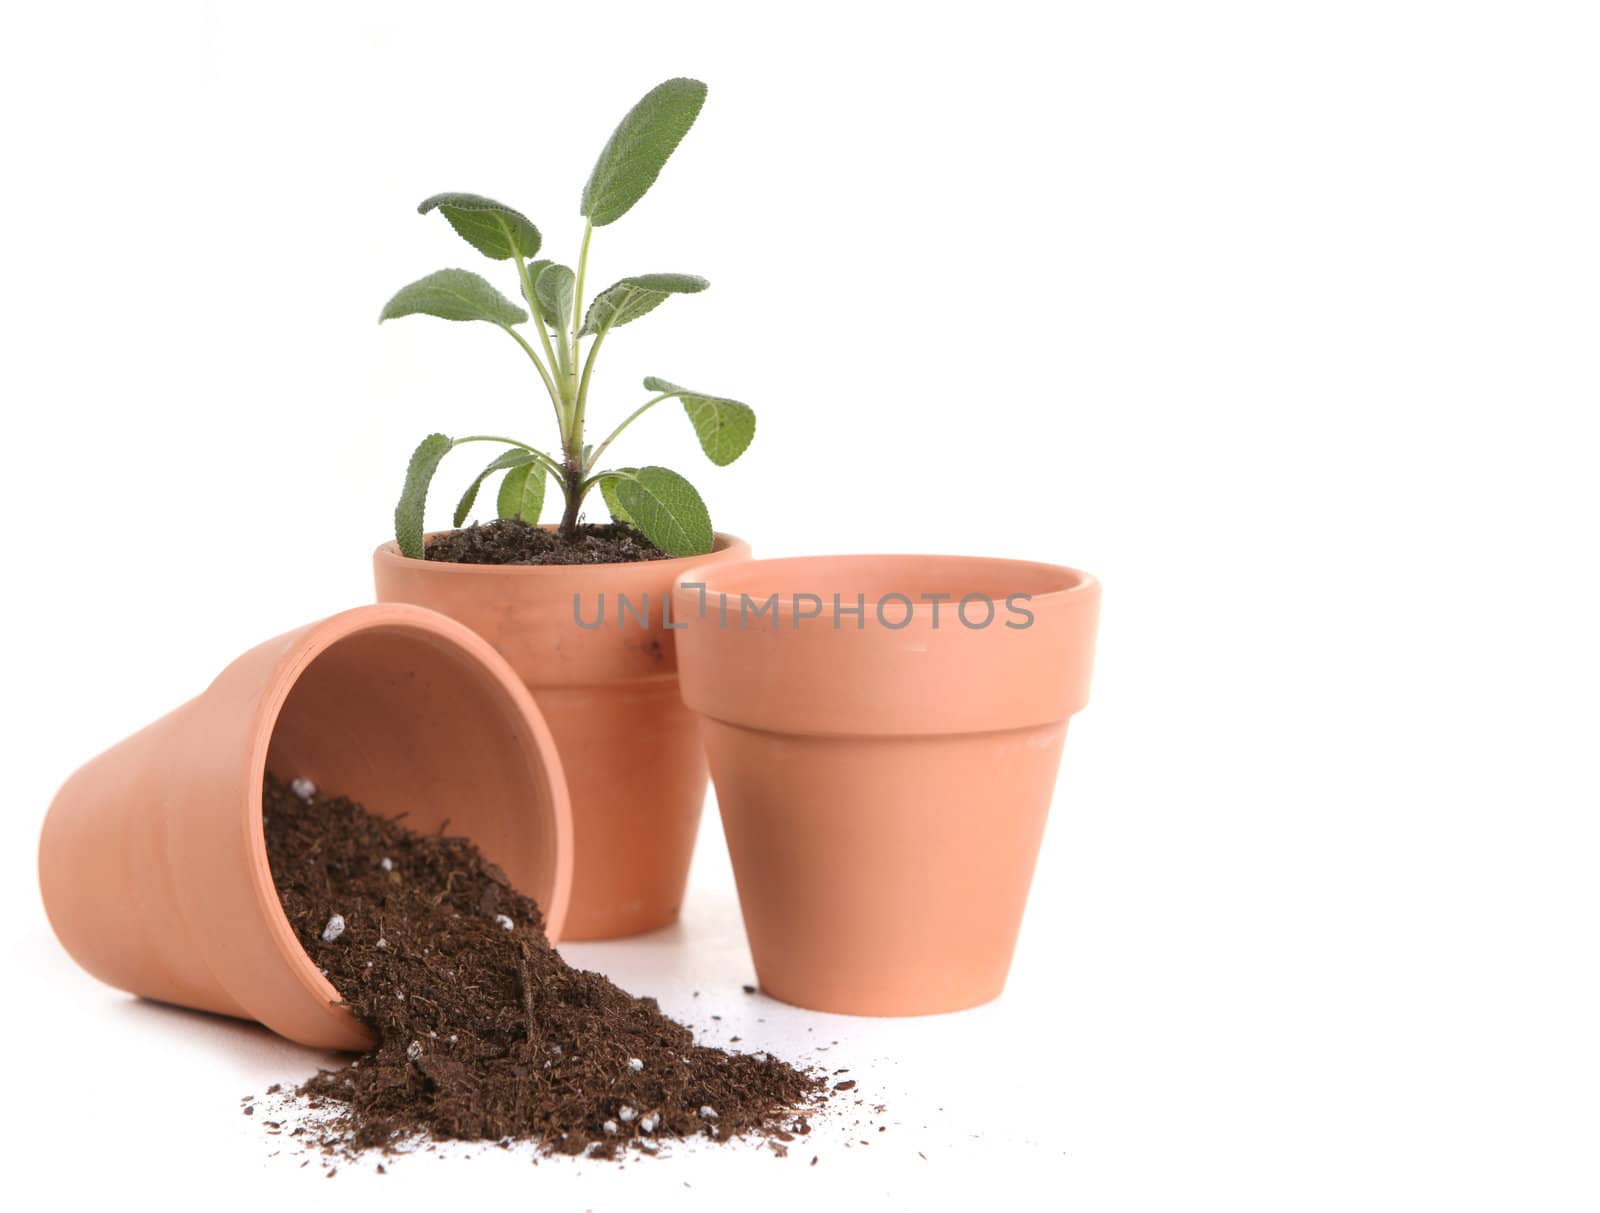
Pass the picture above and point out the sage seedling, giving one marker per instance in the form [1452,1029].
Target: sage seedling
[564,339]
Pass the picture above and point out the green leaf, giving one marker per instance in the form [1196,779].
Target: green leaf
[631,298]
[419,473]
[553,288]
[453,295]
[608,493]
[724,427]
[639,148]
[514,458]
[494,230]
[667,509]
[522,493]
[535,268]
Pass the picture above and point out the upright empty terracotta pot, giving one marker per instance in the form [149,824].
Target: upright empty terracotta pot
[152,861]
[884,734]
[591,643]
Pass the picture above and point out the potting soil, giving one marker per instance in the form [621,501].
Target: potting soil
[484,1033]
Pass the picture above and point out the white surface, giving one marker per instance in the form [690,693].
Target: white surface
[1280,318]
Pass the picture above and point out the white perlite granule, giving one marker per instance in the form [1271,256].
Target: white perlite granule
[303,788]
[635,1064]
[334,929]
[386,864]
[707,1112]
[610,1126]
[626,1114]
[414,1050]
[504,921]
[649,1123]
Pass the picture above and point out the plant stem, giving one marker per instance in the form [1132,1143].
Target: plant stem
[538,317]
[555,396]
[577,294]
[573,488]
[574,467]
[490,438]
[594,456]
[572,413]
[550,464]
[580,406]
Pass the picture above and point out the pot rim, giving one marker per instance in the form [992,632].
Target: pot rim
[1078,584]
[389,551]
[317,640]
[801,672]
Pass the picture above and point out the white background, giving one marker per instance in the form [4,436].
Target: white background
[1279,317]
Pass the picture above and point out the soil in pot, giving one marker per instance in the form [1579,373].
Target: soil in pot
[484,1032]
[512,541]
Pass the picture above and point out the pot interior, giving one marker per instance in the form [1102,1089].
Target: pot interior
[408,723]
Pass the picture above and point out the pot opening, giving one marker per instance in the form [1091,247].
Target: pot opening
[920,579]
[390,551]
[415,725]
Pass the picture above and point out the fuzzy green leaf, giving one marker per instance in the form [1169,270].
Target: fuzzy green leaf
[514,458]
[414,496]
[494,230]
[639,148]
[608,493]
[535,268]
[724,427]
[522,493]
[453,295]
[631,298]
[553,288]
[667,509]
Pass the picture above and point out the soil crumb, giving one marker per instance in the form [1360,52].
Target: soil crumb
[484,1032]
[512,541]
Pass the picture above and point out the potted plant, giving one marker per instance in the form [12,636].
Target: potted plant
[578,609]
[884,734]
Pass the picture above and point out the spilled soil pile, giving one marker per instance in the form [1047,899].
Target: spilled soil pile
[485,1033]
[512,541]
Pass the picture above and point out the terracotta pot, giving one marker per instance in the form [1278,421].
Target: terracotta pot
[884,783]
[631,750]
[152,862]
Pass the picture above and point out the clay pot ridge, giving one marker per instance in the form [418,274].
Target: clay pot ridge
[925,671]
[876,577]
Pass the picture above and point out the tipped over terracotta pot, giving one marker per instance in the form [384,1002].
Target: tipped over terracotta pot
[591,643]
[884,734]
[152,861]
